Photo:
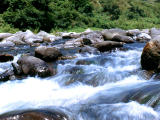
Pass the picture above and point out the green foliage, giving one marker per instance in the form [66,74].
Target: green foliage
[51,15]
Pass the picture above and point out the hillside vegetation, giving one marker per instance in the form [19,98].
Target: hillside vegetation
[50,15]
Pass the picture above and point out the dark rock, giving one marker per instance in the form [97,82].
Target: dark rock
[34,115]
[34,66]
[7,75]
[107,45]
[16,68]
[86,41]
[120,38]
[6,57]
[150,57]
[47,53]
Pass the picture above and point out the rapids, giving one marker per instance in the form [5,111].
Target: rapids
[111,87]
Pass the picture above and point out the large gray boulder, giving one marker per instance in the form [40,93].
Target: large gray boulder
[108,34]
[92,37]
[34,66]
[47,53]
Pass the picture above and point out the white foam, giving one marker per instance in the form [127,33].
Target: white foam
[34,92]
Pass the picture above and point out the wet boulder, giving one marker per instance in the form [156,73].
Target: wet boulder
[47,53]
[34,66]
[108,45]
[6,57]
[34,115]
[120,38]
[7,75]
[150,57]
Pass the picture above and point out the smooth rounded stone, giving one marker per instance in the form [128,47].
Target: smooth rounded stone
[34,66]
[151,55]
[107,45]
[154,32]
[120,38]
[92,37]
[46,36]
[47,53]
[108,34]
[88,49]
[133,32]
[4,35]
[35,115]
[6,57]
[31,38]
[7,44]
[143,37]
[7,75]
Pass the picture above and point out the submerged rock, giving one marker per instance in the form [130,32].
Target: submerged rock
[35,115]
[34,66]
[88,49]
[7,75]
[47,53]
[6,57]
[107,45]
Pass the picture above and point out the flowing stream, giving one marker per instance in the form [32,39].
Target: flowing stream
[109,86]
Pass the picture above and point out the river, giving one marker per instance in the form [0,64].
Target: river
[110,86]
